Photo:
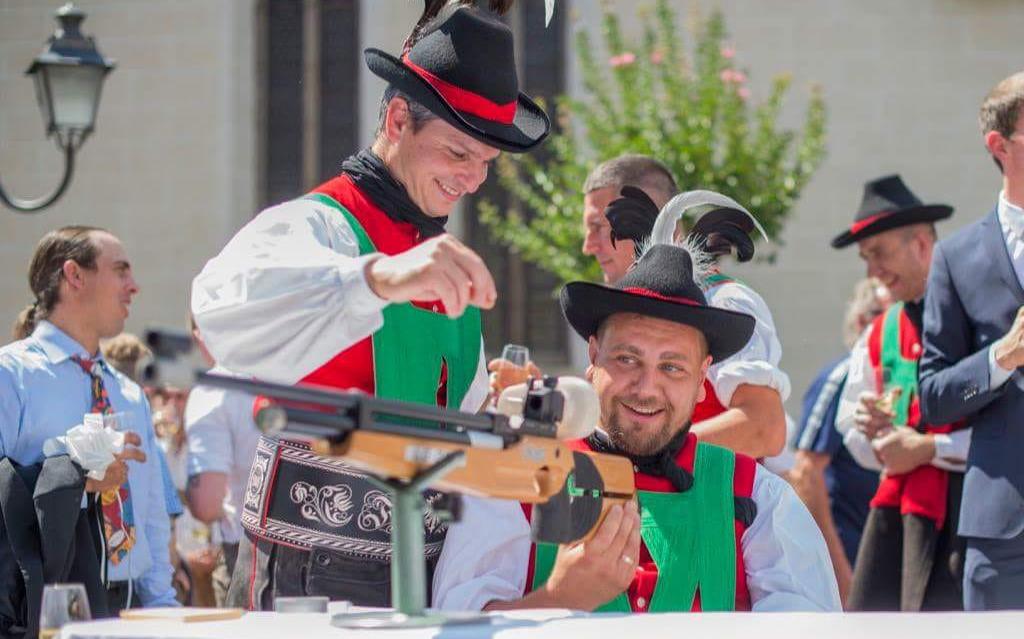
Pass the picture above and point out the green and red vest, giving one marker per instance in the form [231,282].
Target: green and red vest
[691,558]
[304,503]
[419,354]
[894,348]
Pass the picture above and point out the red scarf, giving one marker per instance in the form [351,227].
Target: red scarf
[922,491]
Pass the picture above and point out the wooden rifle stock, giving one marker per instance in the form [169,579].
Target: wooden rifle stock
[532,470]
[399,440]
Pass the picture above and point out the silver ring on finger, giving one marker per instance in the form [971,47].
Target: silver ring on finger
[627,559]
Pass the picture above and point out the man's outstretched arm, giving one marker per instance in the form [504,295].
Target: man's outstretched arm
[754,424]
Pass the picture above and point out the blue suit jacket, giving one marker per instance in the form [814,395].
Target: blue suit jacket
[972,298]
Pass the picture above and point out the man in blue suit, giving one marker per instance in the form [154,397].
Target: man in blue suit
[973,351]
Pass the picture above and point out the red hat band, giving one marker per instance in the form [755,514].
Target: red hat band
[857,227]
[658,296]
[466,101]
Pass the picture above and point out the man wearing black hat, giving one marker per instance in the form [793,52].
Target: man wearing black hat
[910,557]
[743,395]
[742,408]
[357,285]
[714,531]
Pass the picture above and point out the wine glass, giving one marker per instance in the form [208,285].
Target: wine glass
[511,371]
[62,604]
[516,354]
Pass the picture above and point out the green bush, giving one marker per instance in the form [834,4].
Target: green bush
[689,109]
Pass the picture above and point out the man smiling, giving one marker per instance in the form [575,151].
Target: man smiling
[714,531]
[82,283]
[910,557]
[357,286]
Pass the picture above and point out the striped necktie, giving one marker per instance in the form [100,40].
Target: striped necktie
[118,518]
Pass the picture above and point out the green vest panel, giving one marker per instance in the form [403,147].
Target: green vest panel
[413,344]
[691,537]
[897,370]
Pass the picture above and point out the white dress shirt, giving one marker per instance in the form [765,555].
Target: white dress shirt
[1011,221]
[286,295]
[861,378]
[786,560]
[222,438]
[757,363]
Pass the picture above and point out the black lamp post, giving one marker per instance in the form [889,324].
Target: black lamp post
[68,76]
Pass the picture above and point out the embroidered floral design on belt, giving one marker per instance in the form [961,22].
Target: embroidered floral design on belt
[328,505]
[257,476]
[431,521]
[376,512]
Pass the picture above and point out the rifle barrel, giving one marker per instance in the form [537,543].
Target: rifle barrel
[283,392]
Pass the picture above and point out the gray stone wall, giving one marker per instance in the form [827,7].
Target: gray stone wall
[171,166]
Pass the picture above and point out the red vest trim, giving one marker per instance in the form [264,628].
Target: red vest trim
[710,406]
[353,367]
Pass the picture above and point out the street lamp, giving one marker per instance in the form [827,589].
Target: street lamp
[68,76]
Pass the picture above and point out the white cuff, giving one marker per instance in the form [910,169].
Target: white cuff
[951,449]
[860,449]
[353,279]
[997,375]
[731,375]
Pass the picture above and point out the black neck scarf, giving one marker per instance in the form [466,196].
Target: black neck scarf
[660,464]
[375,180]
[915,313]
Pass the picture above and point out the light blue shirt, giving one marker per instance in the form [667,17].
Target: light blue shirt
[43,393]
[174,506]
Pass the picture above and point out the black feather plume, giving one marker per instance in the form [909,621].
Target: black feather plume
[632,215]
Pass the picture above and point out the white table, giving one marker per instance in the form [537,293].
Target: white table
[534,624]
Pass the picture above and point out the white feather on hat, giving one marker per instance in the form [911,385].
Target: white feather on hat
[678,208]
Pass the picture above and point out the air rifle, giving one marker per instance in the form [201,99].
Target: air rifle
[516,453]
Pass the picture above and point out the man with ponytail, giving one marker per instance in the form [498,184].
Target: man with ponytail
[50,379]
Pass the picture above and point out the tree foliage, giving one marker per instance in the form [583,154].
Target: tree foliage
[688,106]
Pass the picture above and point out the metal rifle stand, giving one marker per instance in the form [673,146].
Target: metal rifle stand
[408,569]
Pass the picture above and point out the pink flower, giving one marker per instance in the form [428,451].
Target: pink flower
[743,92]
[728,52]
[622,60]
[657,57]
[732,76]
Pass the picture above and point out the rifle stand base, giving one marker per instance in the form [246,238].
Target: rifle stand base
[394,620]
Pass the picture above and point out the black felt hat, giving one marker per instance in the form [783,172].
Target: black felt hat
[659,285]
[888,204]
[463,69]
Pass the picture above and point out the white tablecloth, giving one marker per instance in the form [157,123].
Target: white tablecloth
[534,624]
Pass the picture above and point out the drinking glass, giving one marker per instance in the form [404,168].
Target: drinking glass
[516,354]
[512,369]
[62,604]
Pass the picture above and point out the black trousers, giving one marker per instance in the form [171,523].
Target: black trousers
[265,571]
[117,597]
[905,564]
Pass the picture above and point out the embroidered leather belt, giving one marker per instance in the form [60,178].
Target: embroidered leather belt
[302,500]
